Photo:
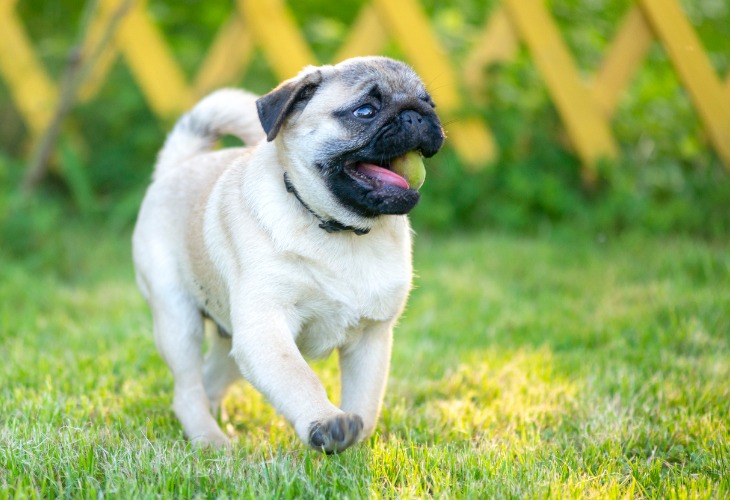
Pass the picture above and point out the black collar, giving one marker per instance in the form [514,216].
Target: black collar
[331,225]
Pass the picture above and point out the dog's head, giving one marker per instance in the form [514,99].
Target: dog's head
[346,133]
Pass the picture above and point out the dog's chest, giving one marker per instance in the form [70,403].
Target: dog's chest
[340,303]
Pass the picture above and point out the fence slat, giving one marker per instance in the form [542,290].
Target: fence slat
[586,125]
[101,44]
[628,50]
[227,58]
[694,69]
[101,19]
[274,28]
[33,92]
[152,64]
[367,36]
[497,43]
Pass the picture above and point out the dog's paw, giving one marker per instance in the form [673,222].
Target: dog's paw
[335,434]
[216,441]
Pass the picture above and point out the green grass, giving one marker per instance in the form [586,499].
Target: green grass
[562,366]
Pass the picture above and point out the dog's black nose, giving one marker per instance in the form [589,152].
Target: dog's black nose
[426,130]
[410,117]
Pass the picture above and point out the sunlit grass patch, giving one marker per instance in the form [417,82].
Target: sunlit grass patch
[505,397]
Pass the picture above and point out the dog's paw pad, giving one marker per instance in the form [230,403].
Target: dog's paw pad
[335,434]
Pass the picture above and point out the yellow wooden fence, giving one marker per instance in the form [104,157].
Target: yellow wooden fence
[585,105]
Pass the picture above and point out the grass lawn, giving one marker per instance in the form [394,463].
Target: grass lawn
[563,366]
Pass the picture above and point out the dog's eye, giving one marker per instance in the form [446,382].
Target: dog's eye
[365,111]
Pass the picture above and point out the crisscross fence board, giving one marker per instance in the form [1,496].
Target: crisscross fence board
[585,105]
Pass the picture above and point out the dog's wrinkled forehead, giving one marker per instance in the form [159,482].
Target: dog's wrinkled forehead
[393,76]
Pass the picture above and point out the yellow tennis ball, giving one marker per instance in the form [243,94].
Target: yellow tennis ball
[410,166]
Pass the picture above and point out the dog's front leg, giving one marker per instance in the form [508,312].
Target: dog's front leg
[265,350]
[364,368]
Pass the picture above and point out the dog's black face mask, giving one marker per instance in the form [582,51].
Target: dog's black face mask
[363,179]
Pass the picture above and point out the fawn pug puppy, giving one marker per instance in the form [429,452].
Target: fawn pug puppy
[295,246]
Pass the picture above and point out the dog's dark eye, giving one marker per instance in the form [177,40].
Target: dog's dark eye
[365,111]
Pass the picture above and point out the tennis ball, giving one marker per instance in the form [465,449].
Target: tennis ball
[410,167]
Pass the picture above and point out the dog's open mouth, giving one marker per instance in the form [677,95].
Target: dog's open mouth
[405,172]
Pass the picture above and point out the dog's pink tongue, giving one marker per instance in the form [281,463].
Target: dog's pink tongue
[383,174]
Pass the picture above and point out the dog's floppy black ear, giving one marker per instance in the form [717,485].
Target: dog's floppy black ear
[274,107]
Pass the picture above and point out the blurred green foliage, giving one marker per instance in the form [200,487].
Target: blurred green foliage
[668,180]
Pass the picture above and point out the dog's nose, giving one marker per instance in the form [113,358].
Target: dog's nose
[425,130]
[411,117]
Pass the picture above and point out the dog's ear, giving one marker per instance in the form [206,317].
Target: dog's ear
[274,107]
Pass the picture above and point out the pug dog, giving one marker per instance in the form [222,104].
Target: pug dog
[295,246]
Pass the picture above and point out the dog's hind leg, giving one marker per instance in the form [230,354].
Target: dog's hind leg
[219,369]
[179,337]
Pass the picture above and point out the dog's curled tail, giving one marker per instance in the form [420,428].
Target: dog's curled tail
[223,112]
